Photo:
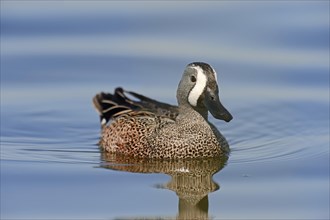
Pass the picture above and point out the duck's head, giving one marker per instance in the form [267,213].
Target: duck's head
[199,89]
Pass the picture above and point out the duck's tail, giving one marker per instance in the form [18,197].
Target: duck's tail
[111,105]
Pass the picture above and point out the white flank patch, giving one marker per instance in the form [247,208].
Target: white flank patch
[199,87]
[103,122]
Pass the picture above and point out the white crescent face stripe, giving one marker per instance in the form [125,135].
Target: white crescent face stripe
[215,75]
[199,87]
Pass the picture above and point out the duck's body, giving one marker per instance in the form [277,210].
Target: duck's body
[151,129]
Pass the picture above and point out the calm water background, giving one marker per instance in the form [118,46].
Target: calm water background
[272,60]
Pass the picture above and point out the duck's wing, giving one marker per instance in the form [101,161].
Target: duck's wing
[112,105]
[156,107]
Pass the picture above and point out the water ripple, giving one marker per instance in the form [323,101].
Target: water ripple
[283,134]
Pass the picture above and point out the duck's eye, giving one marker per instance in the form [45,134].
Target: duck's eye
[192,78]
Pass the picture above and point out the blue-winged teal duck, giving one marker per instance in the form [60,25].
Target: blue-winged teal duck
[147,128]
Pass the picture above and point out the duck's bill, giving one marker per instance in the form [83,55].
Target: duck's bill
[215,107]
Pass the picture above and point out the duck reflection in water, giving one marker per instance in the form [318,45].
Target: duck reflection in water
[191,180]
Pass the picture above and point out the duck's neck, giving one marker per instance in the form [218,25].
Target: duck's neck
[193,113]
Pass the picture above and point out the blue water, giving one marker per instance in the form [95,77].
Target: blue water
[272,60]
